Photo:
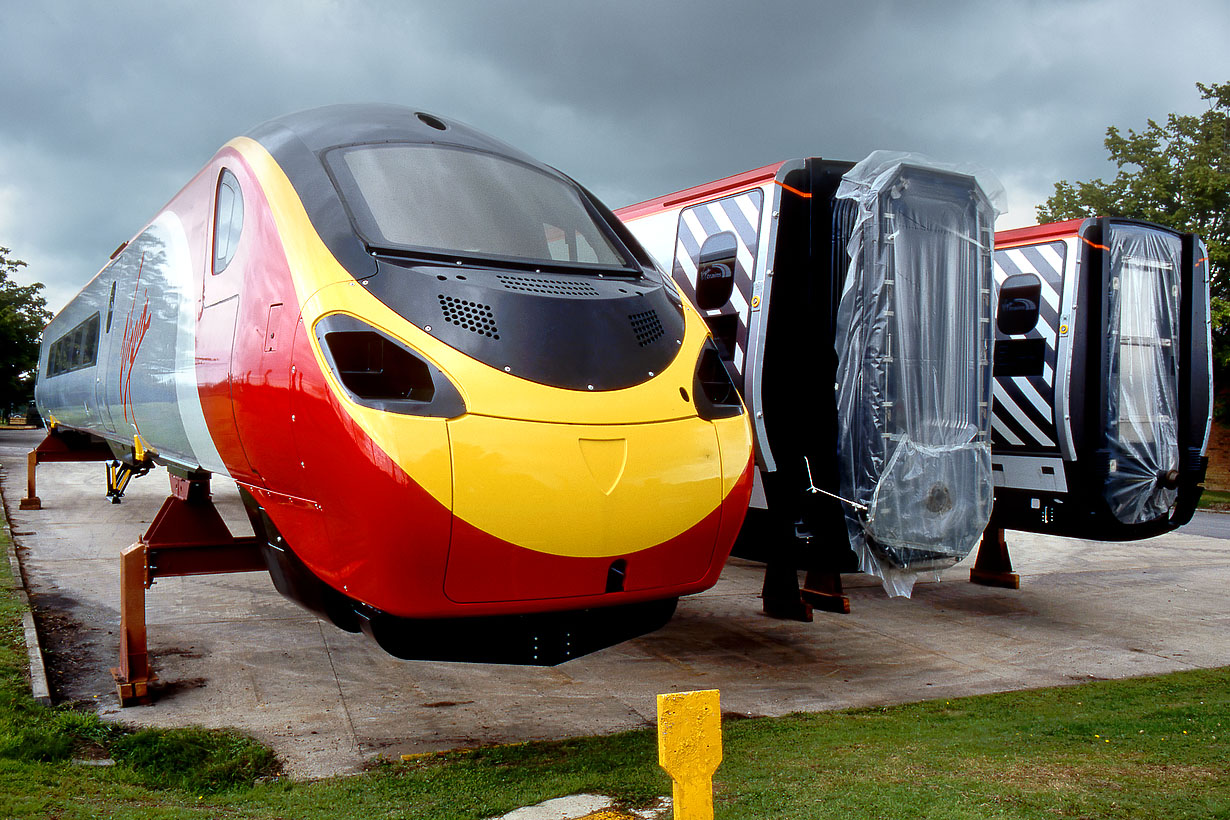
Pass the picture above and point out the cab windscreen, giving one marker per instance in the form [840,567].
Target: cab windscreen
[447,200]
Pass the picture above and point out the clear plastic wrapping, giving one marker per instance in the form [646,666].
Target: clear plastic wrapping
[1142,424]
[914,374]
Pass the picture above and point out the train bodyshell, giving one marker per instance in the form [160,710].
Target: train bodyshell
[856,324]
[450,387]
[1103,378]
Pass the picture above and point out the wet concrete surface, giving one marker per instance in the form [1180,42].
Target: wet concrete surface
[230,651]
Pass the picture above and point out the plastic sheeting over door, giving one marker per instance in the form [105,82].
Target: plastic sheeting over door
[1142,427]
[914,370]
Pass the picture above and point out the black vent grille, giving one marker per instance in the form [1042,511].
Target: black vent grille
[647,326]
[555,287]
[472,316]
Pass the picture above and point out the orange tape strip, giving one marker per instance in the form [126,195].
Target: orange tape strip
[1094,244]
[793,190]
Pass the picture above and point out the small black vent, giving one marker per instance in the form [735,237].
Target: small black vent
[472,316]
[715,392]
[555,287]
[647,326]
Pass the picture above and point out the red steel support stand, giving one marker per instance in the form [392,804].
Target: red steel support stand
[187,537]
[55,448]
[993,566]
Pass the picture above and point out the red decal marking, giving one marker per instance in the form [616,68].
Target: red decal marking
[134,334]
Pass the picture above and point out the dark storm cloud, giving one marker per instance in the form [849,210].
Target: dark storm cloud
[107,109]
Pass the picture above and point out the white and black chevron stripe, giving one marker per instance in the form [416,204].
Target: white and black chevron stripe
[739,215]
[1023,414]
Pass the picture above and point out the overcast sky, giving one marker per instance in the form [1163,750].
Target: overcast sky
[108,108]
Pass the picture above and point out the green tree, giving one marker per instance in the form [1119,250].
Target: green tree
[1177,175]
[23,314]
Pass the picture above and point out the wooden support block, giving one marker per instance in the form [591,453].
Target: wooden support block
[133,676]
[186,537]
[993,566]
[822,590]
[690,749]
[31,501]
[780,596]
[55,448]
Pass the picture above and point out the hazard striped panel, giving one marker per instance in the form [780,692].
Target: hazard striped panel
[738,215]
[1023,415]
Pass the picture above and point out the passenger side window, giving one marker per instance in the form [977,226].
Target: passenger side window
[76,349]
[228,220]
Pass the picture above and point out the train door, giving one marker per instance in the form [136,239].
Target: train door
[219,313]
[102,384]
[717,247]
[1031,438]
[715,263]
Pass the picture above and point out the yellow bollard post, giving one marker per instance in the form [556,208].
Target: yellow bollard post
[690,749]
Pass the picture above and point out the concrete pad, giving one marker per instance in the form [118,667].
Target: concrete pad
[586,807]
[572,807]
[231,652]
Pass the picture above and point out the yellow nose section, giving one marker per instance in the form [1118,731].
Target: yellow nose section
[606,459]
[584,490]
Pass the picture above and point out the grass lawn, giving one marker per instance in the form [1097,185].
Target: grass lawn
[1215,500]
[1145,748]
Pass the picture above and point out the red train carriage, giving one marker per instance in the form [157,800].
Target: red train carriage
[1103,378]
[464,411]
[852,303]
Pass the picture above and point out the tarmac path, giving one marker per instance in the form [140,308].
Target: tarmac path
[230,651]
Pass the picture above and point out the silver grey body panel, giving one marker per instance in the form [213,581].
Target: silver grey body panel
[144,381]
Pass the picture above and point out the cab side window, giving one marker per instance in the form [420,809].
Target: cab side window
[1020,297]
[715,260]
[715,274]
[228,220]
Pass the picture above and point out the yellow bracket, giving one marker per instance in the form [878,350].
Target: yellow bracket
[690,749]
[141,451]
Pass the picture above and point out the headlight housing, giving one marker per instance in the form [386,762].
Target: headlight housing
[381,372]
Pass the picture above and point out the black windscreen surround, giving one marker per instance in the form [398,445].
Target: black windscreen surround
[576,331]
[478,244]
